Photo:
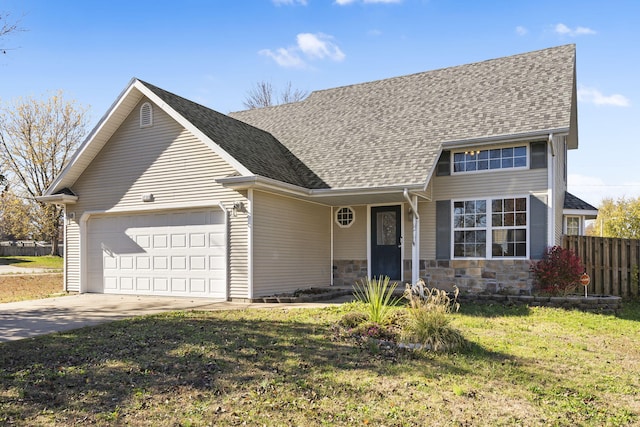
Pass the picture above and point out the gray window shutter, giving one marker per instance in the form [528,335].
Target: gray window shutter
[444,164]
[538,227]
[443,229]
[538,155]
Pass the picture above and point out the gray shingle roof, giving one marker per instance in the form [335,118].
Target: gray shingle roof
[390,132]
[256,149]
[573,202]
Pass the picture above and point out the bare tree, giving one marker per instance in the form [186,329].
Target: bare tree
[37,139]
[263,95]
[7,27]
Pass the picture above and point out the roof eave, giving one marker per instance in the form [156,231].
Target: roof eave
[268,184]
[58,199]
[488,140]
[587,213]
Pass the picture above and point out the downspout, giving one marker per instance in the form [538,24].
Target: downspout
[250,244]
[551,218]
[331,252]
[415,241]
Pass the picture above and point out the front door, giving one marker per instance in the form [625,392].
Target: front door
[386,246]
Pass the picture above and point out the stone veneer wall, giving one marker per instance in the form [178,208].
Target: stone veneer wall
[507,276]
[348,272]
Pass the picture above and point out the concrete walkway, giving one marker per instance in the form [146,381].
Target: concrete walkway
[27,319]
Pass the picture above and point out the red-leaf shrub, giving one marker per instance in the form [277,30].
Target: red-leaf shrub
[558,272]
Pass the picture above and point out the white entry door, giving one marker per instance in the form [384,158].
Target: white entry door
[181,253]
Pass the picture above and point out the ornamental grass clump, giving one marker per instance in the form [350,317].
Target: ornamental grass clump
[558,272]
[377,296]
[429,318]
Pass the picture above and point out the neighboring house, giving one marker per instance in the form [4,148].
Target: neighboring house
[576,212]
[456,175]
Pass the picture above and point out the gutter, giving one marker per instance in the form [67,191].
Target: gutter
[261,182]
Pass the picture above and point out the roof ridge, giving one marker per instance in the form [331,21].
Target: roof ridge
[501,58]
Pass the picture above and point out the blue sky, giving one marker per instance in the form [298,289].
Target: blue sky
[213,52]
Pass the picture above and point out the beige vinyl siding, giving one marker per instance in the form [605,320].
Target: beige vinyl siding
[238,262]
[488,184]
[167,161]
[351,243]
[427,211]
[291,244]
[72,255]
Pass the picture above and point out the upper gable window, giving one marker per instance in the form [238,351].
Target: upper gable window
[496,158]
[146,115]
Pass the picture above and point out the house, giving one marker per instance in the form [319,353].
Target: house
[456,175]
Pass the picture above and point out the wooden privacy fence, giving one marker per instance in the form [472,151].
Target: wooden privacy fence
[612,263]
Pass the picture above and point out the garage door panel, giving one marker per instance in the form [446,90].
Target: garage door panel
[143,284]
[178,263]
[178,240]
[198,286]
[165,254]
[198,262]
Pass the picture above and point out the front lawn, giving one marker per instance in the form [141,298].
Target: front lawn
[524,366]
[48,261]
[29,286]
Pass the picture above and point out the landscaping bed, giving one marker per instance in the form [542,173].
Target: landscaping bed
[306,295]
[603,304]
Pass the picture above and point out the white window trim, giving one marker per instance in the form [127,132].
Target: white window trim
[489,228]
[144,124]
[580,224]
[353,217]
[527,146]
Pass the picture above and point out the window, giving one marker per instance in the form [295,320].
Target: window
[146,115]
[573,226]
[497,158]
[494,228]
[345,217]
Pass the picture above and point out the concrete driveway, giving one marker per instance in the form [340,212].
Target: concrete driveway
[26,319]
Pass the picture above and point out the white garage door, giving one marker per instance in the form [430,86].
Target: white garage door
[178,253]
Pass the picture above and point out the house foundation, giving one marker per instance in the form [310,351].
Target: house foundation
[470,276]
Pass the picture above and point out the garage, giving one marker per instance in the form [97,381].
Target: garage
[176,253]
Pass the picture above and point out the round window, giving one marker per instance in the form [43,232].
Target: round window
[345,217]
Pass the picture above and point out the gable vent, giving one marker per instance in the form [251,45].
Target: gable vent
[146,115]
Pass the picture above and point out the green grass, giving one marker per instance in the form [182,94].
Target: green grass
[524,366]
[54,262]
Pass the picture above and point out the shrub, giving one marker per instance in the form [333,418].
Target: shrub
[429,318]
[558,272]
[377,295]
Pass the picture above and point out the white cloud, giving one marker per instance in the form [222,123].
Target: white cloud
[521,31]
[563,30]
[594,96]
[319,46]
[289,2]
[346,2]
[288,58]
[308,46]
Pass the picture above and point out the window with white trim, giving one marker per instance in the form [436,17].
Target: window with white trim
[492,159]
[490,228]
[345,216]
[146,115]
[573,226]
